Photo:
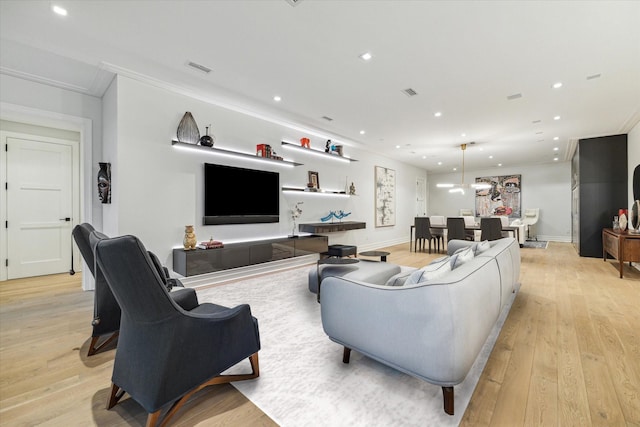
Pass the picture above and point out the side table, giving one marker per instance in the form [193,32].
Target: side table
[381,254]
[333,261]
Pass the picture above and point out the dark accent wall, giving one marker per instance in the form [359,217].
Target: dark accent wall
[601,169]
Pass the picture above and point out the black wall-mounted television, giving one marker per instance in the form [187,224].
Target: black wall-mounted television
[234,195]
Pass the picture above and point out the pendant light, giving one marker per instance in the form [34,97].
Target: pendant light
[459,188]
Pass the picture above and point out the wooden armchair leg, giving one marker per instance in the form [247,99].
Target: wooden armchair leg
[116,395]
[346,354]
[447,394]
[94,347]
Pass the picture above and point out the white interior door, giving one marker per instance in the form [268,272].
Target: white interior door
[421,196]
[39,207]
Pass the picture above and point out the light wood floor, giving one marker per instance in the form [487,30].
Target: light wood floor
[568,354]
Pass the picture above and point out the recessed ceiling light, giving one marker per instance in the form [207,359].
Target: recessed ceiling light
[499,164]
[397,146]
[491,157]
[556,118]
[455,169]
[366,56]
[555,138]
[277,98]
[555,159]
[59,10]
[439,163]
[362,132]
[424,157]
[557,85]
[463,134]
[555,148]
[437,114]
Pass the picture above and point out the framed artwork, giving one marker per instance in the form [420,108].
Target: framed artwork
[314,180]
[385,182]
[503,198]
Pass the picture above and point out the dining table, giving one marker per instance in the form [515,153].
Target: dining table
[513,228]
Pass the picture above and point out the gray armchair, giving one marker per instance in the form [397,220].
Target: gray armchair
[165,353]
[106,312]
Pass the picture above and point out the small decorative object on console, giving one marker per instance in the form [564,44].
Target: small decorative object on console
[211,244]
[295,214]
[305,142]
[623,215]
[189,242]
[352,189]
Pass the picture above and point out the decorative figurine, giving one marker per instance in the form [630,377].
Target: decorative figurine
[327,146]
[104,182]
[305,142]
[189,241]
[352,190]
[295,214]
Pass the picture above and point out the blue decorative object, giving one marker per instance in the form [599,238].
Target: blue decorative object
[328,217]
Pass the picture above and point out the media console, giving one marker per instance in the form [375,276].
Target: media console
[201,261]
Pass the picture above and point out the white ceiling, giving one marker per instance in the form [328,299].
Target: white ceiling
[463,58]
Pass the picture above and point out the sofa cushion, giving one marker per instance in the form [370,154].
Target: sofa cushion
[463,255]
[482,246]
[429,272]
[398,279]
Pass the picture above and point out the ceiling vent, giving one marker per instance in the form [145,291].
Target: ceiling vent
[293,2]
[329,119]
[410,92]
[514,96]
[593,76]
[199,67]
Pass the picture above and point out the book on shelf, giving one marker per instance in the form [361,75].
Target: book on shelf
[211,244]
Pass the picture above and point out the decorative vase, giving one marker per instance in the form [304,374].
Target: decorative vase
[206,139]
[188,130]
[623,222]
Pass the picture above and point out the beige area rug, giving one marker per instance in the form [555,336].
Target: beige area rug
[303,381]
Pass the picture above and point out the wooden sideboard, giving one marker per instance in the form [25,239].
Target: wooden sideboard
[621,245]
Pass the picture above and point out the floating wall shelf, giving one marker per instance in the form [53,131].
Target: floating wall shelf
[331,227]
[230,153]
[318,193]
[317,152]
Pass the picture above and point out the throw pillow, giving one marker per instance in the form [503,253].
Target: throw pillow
[464,255]
[483,246]
[398,279]
[430,272]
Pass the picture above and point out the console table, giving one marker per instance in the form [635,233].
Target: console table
[620,245]
[201,261]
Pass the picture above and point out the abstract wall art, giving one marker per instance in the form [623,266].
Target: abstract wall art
[385,196]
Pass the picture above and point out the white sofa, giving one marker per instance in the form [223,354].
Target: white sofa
[432,330]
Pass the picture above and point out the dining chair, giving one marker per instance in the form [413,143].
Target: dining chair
[455,229]
[470,221]
[423,233]
[490,228]
[439,233]
[504,221]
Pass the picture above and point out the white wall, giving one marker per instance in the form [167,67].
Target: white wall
[547,187]
[42,105]
[158,189]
